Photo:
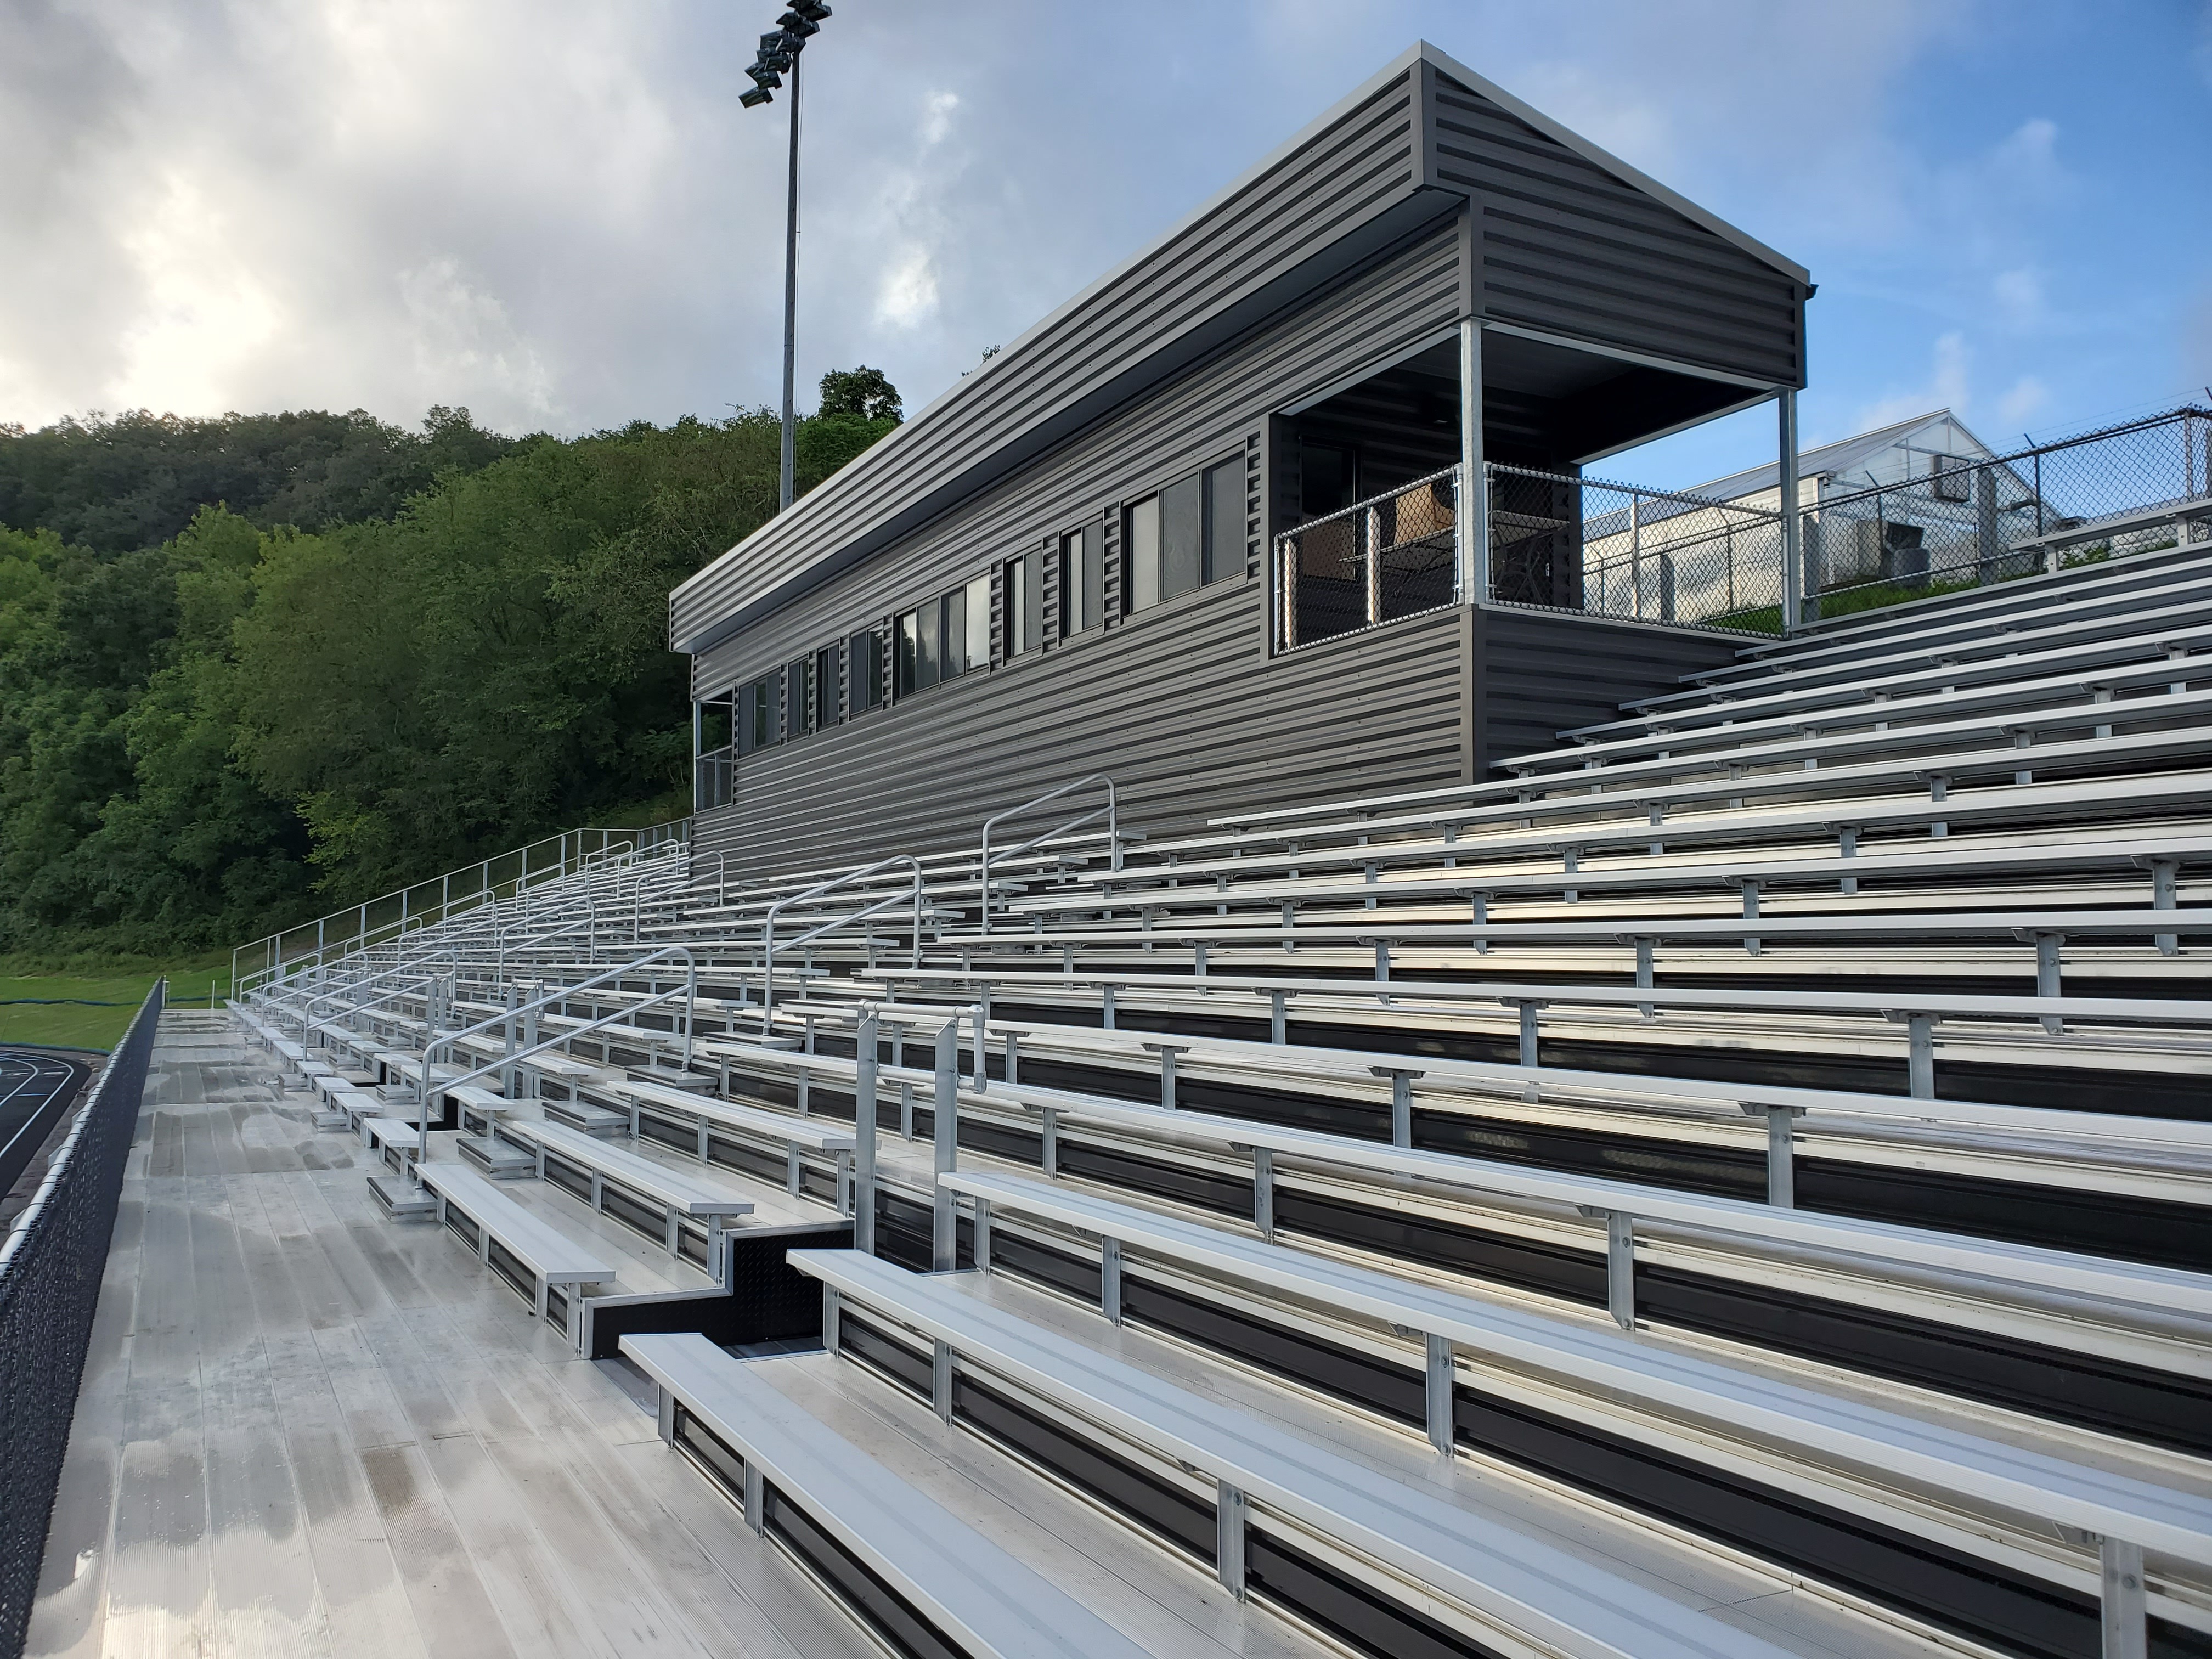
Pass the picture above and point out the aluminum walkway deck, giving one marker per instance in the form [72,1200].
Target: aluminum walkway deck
[303,1430]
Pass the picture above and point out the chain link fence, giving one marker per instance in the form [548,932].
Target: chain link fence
[1965,522]
[1616,549]
[1394,555]
[50,1267]
[1604,549]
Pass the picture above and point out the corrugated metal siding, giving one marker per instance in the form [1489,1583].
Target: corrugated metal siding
[1205,417]
[1352,172]
[1541,674]
[1569,249]
[1182,708]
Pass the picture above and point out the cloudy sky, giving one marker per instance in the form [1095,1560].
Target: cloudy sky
[554,212]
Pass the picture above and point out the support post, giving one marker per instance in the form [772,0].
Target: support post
[1781,1151]
[1263,1192]
[2120,1599]
[982,1235]
[1167,1052]
[2163,895]
[945,1215]
[1110,1280]
[1050,1153]
[940,1379]
[833,1305]
[1440,1392]
[1474,481]
[1793,550]
[664,1404]
[863,1135]
[2048,980]
[1620,1264]
[1229,1537]
[1278,1017]
[756,1497]
[1402,1101]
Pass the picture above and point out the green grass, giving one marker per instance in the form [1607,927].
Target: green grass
[43,1001]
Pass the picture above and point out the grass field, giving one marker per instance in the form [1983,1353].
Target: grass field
[49,1007]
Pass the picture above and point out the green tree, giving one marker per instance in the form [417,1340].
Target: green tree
[324,692]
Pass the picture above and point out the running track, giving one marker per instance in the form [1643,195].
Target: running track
[34,1087]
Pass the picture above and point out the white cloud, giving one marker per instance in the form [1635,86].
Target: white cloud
[2026,398]
[1946,387]
[937,116]
[555,211]
[461,334]
[2019,295]
[909,297]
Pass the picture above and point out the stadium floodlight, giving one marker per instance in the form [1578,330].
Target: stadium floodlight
[779,57]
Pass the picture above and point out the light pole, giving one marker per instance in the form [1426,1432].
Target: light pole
[779,56]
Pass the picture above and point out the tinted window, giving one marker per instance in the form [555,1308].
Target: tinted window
[1182,536]
[864,662]
[829,687]
[1140,554]
[1082,579]
[977,649]
[1024,604]
[1225,520]
[929,659]
[1325,479]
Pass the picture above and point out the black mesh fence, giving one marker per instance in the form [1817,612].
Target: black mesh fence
[50,1267]
[1394,555]
[1964,522]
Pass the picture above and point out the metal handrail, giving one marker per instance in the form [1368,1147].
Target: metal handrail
[721,873]
[1113,834]
[768,927]
[674,832]
[432,1043]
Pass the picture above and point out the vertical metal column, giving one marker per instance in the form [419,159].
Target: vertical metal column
[1793,550]
[864,1134]
[945,1215]
[1474,482]
[1619,1263]
[2121,1601]
[1229,1537]
[790,304]
[1110,1280]
[1440,1392]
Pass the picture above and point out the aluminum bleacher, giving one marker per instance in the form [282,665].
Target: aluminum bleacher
[1763,1134]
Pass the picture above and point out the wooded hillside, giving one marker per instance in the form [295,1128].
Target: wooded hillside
[257,667]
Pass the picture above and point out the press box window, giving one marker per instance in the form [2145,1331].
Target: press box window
[757,707]
[799,698]
[829,688]
[1190,533]
[946,638]
[864,653]
[1082,580]
[1024,604]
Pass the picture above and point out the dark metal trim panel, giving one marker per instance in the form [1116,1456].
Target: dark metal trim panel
[1407,295]
[1571,248]
[1187,712]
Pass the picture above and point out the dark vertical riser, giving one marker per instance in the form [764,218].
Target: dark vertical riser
[1951,1589]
